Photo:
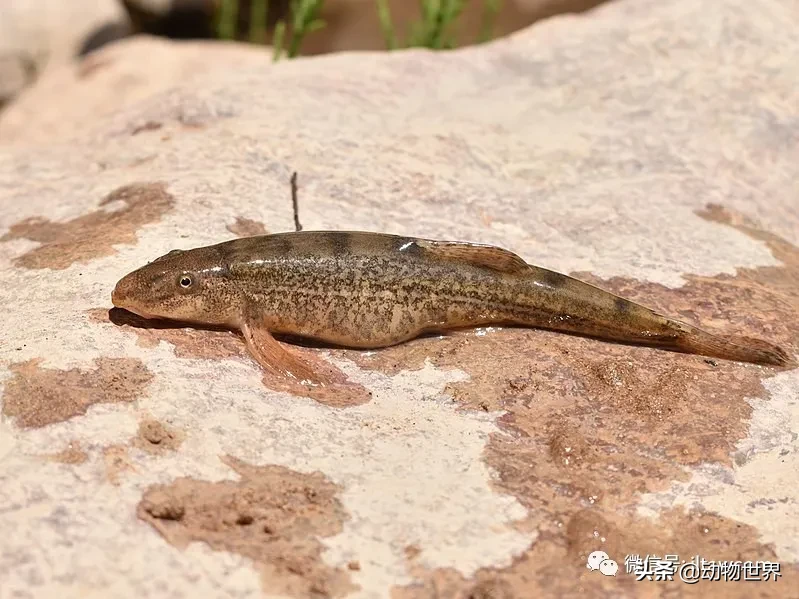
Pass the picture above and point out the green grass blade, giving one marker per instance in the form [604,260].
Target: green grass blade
[226,16]
[386,25]
[259,10]
[277,40]
[491,10]
[306,20]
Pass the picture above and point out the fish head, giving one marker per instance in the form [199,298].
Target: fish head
[190,286]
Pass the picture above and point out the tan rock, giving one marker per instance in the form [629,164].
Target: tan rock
[38,34]
[646,147]
[272,515]
[17,70]
[113,78]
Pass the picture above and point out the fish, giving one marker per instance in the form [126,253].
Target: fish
[369,290]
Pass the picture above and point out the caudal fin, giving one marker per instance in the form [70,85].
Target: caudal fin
[739,349]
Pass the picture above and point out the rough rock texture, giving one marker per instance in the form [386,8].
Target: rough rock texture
[648,147]
[39,35]
[273,516]
[117,77]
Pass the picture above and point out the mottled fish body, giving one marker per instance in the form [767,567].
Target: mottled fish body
[371,290]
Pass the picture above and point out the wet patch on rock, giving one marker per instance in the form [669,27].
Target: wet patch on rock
[555,566]
[37,396]
[117,463]
[146,126]
[272,515]
[586,402]
[245,227]
[217,343]
[93,235]
[336,390]
[593,425]
[211,343]
[72,454]
[156,437]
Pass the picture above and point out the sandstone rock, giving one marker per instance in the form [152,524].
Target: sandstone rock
[114,78]
[35,34]
[646,147]
[16,72]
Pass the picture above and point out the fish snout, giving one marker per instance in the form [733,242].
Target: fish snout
[123,291]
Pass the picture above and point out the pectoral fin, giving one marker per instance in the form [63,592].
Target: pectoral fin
[487,256]
[305,376]
[276,359]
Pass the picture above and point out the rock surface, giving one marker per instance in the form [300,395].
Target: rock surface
[121,75]
[647,147]
[39,34]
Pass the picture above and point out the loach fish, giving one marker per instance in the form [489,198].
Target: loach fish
[372,290]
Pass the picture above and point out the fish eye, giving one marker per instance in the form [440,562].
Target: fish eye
[185,281]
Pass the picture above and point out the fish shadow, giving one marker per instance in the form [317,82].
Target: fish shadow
[122,317]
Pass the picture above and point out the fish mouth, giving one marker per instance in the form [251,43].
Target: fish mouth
[123,305]
[141,313]
[121,300]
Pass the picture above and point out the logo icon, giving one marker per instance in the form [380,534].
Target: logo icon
[608,567]
[595,559]
[599,560]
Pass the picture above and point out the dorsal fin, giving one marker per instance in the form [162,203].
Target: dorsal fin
[478,254]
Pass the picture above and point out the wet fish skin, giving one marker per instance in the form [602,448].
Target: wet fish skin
[372,290]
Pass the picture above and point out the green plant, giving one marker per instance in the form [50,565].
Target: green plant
[277,39]
[491,9]
[384,14]
[226,19]
[304,20]
[434,29]
[259,11]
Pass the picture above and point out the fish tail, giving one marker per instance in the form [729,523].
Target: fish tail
[693,340]
[559,302]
